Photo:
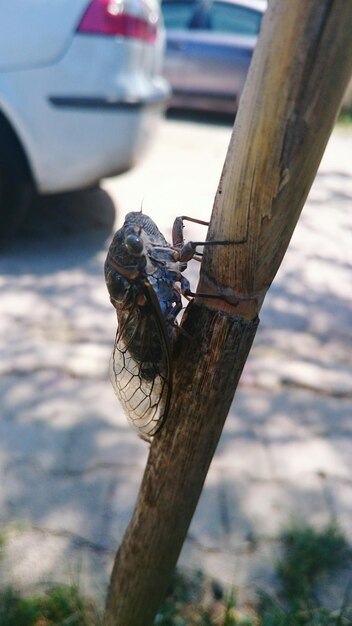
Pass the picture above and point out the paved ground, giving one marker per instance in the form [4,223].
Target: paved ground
[70,465]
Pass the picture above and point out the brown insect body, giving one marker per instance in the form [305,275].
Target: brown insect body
[141,270]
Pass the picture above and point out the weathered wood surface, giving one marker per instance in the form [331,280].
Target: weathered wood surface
[301,67]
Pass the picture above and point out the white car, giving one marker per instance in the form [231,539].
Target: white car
[80,94]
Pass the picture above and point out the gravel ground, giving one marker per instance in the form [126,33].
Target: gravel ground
[70,465]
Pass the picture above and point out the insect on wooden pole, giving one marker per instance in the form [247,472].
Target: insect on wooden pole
[299,72]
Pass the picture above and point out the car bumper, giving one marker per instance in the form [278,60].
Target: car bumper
[107,140]
[212,102]
[103,137]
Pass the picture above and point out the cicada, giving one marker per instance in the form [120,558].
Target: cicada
[143,273]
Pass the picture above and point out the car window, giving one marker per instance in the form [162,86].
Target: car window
[237,20]
[178,14]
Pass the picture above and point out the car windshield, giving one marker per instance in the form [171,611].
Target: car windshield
[221,17]
[178,15]
[228,18]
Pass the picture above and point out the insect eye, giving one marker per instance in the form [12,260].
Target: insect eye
[134,244]
[118,287]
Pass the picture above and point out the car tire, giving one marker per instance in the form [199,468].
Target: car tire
[16,187]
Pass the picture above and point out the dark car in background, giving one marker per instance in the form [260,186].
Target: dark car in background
[208,50]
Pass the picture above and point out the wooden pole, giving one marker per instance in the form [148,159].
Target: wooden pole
[300,69]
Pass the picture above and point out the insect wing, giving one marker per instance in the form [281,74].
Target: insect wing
[140,367]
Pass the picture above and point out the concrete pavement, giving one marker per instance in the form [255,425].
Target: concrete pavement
[70,465]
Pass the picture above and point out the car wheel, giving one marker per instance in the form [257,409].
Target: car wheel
[16,187]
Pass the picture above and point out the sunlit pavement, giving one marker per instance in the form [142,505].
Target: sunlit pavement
[71,467]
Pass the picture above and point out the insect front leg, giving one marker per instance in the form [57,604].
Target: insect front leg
[177,229]
[188,250]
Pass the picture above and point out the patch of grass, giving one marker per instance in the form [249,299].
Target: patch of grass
[308,555]
[16,611]
[62,605]
[196,601]
[272,614]
[2,542]
[308,558]
[345,118]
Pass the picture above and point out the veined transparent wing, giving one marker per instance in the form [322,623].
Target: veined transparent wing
[140,367]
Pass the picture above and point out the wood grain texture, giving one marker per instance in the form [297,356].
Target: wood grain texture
[299,72]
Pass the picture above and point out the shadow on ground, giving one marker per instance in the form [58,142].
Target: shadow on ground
[58,225]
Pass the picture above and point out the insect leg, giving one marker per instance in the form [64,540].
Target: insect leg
[198,257]
[189,249]
[177,229]
[188,294]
